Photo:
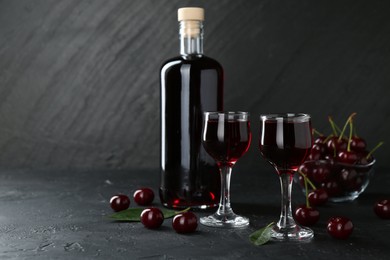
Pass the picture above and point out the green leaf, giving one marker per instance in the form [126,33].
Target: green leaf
[133,214]
[168,213]
[261,236]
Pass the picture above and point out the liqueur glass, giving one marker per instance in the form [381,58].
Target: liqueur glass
[285,142]
[226,136]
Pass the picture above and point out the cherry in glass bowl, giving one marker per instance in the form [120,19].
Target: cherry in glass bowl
[343,182]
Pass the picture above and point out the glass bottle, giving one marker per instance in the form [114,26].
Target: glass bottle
[190,84]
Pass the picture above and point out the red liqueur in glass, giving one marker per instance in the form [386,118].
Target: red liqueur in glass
[285,144]
[227,143]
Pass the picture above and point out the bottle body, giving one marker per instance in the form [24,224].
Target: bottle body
[190,85]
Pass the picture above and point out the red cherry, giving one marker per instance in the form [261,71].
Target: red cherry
[320,140]
[320,172]
[363,160]
[347,157]
[314,155]
[358,144]
[119,202]
[334,144]
[306,216]
[144,196]
[340,227]
[306,169]
[329,157]
[329,160]
[152,218]
[349,179]
[186,222]
[332,187]
[334,166]
[382,208]
[320,147]
[318,197]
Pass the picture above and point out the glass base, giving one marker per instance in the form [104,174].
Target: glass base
[296,233]
[225,221]
[348,197]
[192,206]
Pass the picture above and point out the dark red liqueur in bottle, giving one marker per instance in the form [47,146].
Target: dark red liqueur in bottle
[190,85]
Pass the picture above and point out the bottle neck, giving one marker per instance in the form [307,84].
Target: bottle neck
[191,38]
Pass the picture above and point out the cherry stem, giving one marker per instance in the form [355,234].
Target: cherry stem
[182,211]
[350,134]
[374,149]
[328,138]
[315,131]
[332,125]
[345,125]
[337,127]
[308,180]
[306,193]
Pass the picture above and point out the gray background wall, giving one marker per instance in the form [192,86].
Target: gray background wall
[79,83]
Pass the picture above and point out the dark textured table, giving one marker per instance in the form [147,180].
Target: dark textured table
[53,214]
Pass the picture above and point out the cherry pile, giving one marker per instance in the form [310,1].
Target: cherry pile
[185,222]
[143,197]
[339,164]
[336,169]
[338,227]
[152,217]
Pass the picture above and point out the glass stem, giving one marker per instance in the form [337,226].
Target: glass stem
[286,220]
[224,203]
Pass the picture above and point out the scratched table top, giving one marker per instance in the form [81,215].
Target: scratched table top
[52,214]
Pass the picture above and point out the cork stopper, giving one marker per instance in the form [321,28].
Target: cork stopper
[190,13]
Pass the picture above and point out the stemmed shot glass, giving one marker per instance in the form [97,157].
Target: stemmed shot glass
[285,142]
[226,137]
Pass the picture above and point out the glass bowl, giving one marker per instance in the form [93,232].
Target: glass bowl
[343,182]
